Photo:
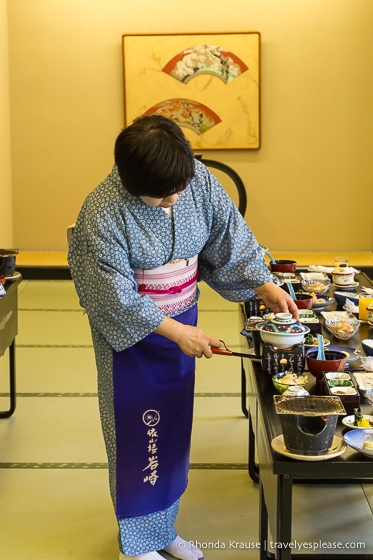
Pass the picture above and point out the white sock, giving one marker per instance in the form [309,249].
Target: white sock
[183,549]
[147,556]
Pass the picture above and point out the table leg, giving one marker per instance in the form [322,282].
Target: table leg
[284,514]
[252,466]
[12,382]
[243,391]
[263,524]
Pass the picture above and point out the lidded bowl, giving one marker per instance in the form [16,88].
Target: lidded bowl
[343,275]
[283,331]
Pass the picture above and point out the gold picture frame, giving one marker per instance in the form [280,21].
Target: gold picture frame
[209,83]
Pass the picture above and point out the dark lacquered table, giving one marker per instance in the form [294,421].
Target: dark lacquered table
[277,473]
[8,332]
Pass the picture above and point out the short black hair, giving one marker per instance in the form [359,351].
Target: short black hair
[153,157]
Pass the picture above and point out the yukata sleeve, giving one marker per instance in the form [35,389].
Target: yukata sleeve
[231,261]
[104,281]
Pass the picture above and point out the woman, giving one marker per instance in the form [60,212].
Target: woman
[158,223]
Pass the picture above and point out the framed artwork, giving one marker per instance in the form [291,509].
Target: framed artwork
[208,83]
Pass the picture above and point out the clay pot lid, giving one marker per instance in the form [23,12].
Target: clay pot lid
[283,323]
[343,270]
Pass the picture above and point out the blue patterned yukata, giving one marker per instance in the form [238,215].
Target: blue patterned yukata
[115,234]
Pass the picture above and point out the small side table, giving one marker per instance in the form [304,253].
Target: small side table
[8,332]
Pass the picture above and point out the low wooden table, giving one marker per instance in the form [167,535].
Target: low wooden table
[8,332]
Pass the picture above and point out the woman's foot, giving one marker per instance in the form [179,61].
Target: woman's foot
[184,550]
[147,556]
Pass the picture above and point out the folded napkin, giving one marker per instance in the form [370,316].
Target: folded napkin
[337,315]
[368,291]
[367,363]
[313,275]
[350,306]
[317,268]
[327,269]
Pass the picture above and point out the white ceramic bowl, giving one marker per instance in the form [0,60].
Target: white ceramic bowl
[283,340]
[357,438]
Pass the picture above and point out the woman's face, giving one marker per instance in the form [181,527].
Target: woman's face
[163,202]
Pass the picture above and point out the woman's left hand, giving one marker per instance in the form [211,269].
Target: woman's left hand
[277,299]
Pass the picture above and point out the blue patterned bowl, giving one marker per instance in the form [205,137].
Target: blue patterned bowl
[283,331]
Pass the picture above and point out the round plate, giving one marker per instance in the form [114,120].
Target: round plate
[346,287]
[349,421]
[338,447]
[326,343]
[350,351]
[322,305]
[14,277]
[355,439]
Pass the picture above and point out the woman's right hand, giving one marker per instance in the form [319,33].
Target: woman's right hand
[193,341]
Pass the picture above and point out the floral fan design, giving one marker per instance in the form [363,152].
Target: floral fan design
[205,59]
[186,112]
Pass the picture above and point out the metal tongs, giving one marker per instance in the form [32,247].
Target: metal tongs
[226,352]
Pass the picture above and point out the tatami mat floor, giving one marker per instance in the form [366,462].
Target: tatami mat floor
[54,492]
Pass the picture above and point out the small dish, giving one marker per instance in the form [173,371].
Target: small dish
[320,302]
[347,286]
[340,383]
[337,375]
[307,314]
[358,437]
[349,421]
[338,447]
[343,391]
[13,277]
[315,341]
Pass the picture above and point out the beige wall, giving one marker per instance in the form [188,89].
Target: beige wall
[310,186]
[6,224]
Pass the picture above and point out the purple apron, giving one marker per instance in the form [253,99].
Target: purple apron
[153,404]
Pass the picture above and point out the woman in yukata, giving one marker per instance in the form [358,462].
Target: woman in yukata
[158,223]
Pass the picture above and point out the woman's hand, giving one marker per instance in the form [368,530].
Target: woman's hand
[193,341]
[277,299]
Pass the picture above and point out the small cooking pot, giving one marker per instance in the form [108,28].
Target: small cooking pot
[7,262]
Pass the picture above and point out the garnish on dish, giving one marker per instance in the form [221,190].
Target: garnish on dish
[362,422]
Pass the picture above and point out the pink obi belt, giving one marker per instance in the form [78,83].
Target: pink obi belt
[172,286]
